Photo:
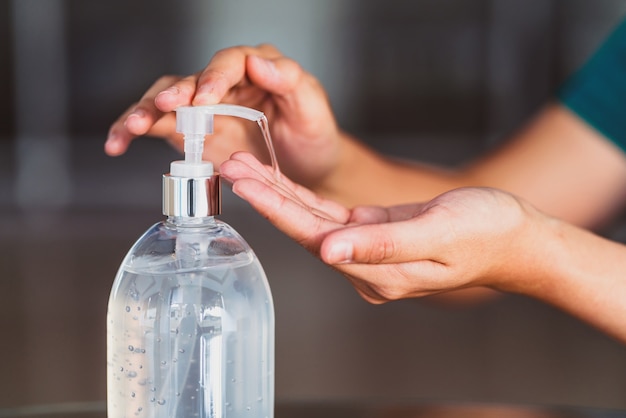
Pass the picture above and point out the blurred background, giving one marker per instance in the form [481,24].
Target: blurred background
[434,80]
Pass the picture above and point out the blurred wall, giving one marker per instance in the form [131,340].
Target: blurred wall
[436,80]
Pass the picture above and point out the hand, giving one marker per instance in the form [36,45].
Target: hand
[302,124]
[462,238]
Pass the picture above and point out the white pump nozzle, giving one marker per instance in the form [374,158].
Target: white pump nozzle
[195,122]
[192,189]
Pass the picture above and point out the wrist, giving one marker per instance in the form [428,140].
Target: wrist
[532,255]
[344,180]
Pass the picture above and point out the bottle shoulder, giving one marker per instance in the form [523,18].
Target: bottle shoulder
[166,248]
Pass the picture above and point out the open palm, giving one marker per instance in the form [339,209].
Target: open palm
[463,238]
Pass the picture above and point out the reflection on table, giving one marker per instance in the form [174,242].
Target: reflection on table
[353,409]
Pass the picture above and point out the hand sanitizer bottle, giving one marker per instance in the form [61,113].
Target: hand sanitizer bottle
[190,321]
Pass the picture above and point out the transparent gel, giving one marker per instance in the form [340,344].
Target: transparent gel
[190,323]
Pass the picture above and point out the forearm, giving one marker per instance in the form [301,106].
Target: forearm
[560,165]
[365,177]
[579,272]
[557,163]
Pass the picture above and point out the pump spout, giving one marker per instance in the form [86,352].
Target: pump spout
[233,110]
[195,122]
[191,189]
[199,119]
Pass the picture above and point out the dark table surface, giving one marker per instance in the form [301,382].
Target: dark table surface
[352,409]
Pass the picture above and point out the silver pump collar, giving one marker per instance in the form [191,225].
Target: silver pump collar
[191,197]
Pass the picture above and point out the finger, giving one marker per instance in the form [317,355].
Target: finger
[386,282]
[396,242]
[247,165]
[378,214]
[287,215]
[146,112]
[278,76]
[369,215]
[226,70]
[137,120]
[119,137]
[180,93]
[405,212]
[272,176]
[251,167]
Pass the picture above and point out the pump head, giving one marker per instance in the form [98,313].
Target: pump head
[191,189]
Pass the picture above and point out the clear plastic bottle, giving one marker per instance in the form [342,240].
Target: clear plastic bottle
[190,321]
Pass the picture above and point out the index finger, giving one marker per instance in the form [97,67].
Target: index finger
[245,165]
[226,70]
[288,215]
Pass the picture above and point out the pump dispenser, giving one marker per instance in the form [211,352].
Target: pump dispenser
[190,321]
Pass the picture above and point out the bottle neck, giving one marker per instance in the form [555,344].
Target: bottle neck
[191,222]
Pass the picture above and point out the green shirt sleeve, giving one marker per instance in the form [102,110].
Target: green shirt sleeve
[597,91]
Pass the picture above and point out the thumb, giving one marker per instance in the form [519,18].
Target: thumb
[395,242]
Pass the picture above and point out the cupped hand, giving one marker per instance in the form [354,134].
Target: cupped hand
[463,238]
[303,127]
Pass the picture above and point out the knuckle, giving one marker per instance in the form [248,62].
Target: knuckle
[383,250]
[225,51]
[168,79]
[267,46]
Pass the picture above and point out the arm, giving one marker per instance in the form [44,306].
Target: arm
[556,162]
[581,273]
[459,240]
[556,159]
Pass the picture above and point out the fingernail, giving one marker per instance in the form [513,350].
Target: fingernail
[340,253]
[270,66]
[113,144]
[137,113]
[172,91]
[235,189]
